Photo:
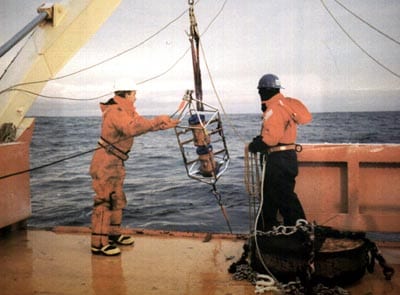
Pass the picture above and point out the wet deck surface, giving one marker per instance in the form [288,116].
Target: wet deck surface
[47,262]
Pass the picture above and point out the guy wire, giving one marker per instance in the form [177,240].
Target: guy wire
[368,24]
[12,88]
[103,61]
[356,43]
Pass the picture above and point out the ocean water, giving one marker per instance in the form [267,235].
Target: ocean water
[160,194]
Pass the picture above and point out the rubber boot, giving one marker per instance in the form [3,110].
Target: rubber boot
[100,229]
[115,236]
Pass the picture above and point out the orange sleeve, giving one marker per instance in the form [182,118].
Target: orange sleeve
[129,124]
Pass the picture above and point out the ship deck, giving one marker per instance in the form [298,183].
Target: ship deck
[59,261]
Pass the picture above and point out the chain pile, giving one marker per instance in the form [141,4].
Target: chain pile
[244,272]
[265,283]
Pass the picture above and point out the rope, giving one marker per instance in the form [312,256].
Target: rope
[355,42]
[62,159]
[49,164]
[256,222]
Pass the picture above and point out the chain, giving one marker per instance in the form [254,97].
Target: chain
[245,272]
[296,288]
[301,224]
[310,266]
[293,288]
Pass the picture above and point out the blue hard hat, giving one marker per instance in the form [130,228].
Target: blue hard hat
[269,81]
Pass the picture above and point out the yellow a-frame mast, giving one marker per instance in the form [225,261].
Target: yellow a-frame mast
[71,24]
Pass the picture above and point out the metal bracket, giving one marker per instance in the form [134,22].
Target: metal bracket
[55,12]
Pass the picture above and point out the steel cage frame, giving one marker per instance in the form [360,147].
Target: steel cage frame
[211,126]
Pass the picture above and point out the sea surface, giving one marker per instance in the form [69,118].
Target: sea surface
[160,194]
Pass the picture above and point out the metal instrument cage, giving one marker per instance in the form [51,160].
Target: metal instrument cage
[212,126]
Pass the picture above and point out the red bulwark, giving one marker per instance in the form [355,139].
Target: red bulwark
[15,202]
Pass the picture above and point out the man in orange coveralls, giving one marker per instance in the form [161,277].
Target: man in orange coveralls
[281,115]
[120,124]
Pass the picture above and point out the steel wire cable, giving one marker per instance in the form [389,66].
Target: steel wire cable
[59,97]
[106,94]
[12,88]
[368,24]
[17,54]
[238,134]
[356,43]
[105,60]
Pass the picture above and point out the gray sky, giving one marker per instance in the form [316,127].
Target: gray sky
[296,40]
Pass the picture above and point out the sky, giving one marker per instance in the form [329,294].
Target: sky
[297,40]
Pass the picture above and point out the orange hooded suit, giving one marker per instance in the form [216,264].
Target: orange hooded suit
[120,124]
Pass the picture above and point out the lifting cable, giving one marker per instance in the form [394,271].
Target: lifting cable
[356,43]
[199,121]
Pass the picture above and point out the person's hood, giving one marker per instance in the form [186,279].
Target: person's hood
[118,102]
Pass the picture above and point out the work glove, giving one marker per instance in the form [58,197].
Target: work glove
[165,122]
[258,145]
[171,123]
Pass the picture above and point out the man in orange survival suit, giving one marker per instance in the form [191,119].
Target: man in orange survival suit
[120,124]
[281,115]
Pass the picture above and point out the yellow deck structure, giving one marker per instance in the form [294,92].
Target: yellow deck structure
[58,261]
